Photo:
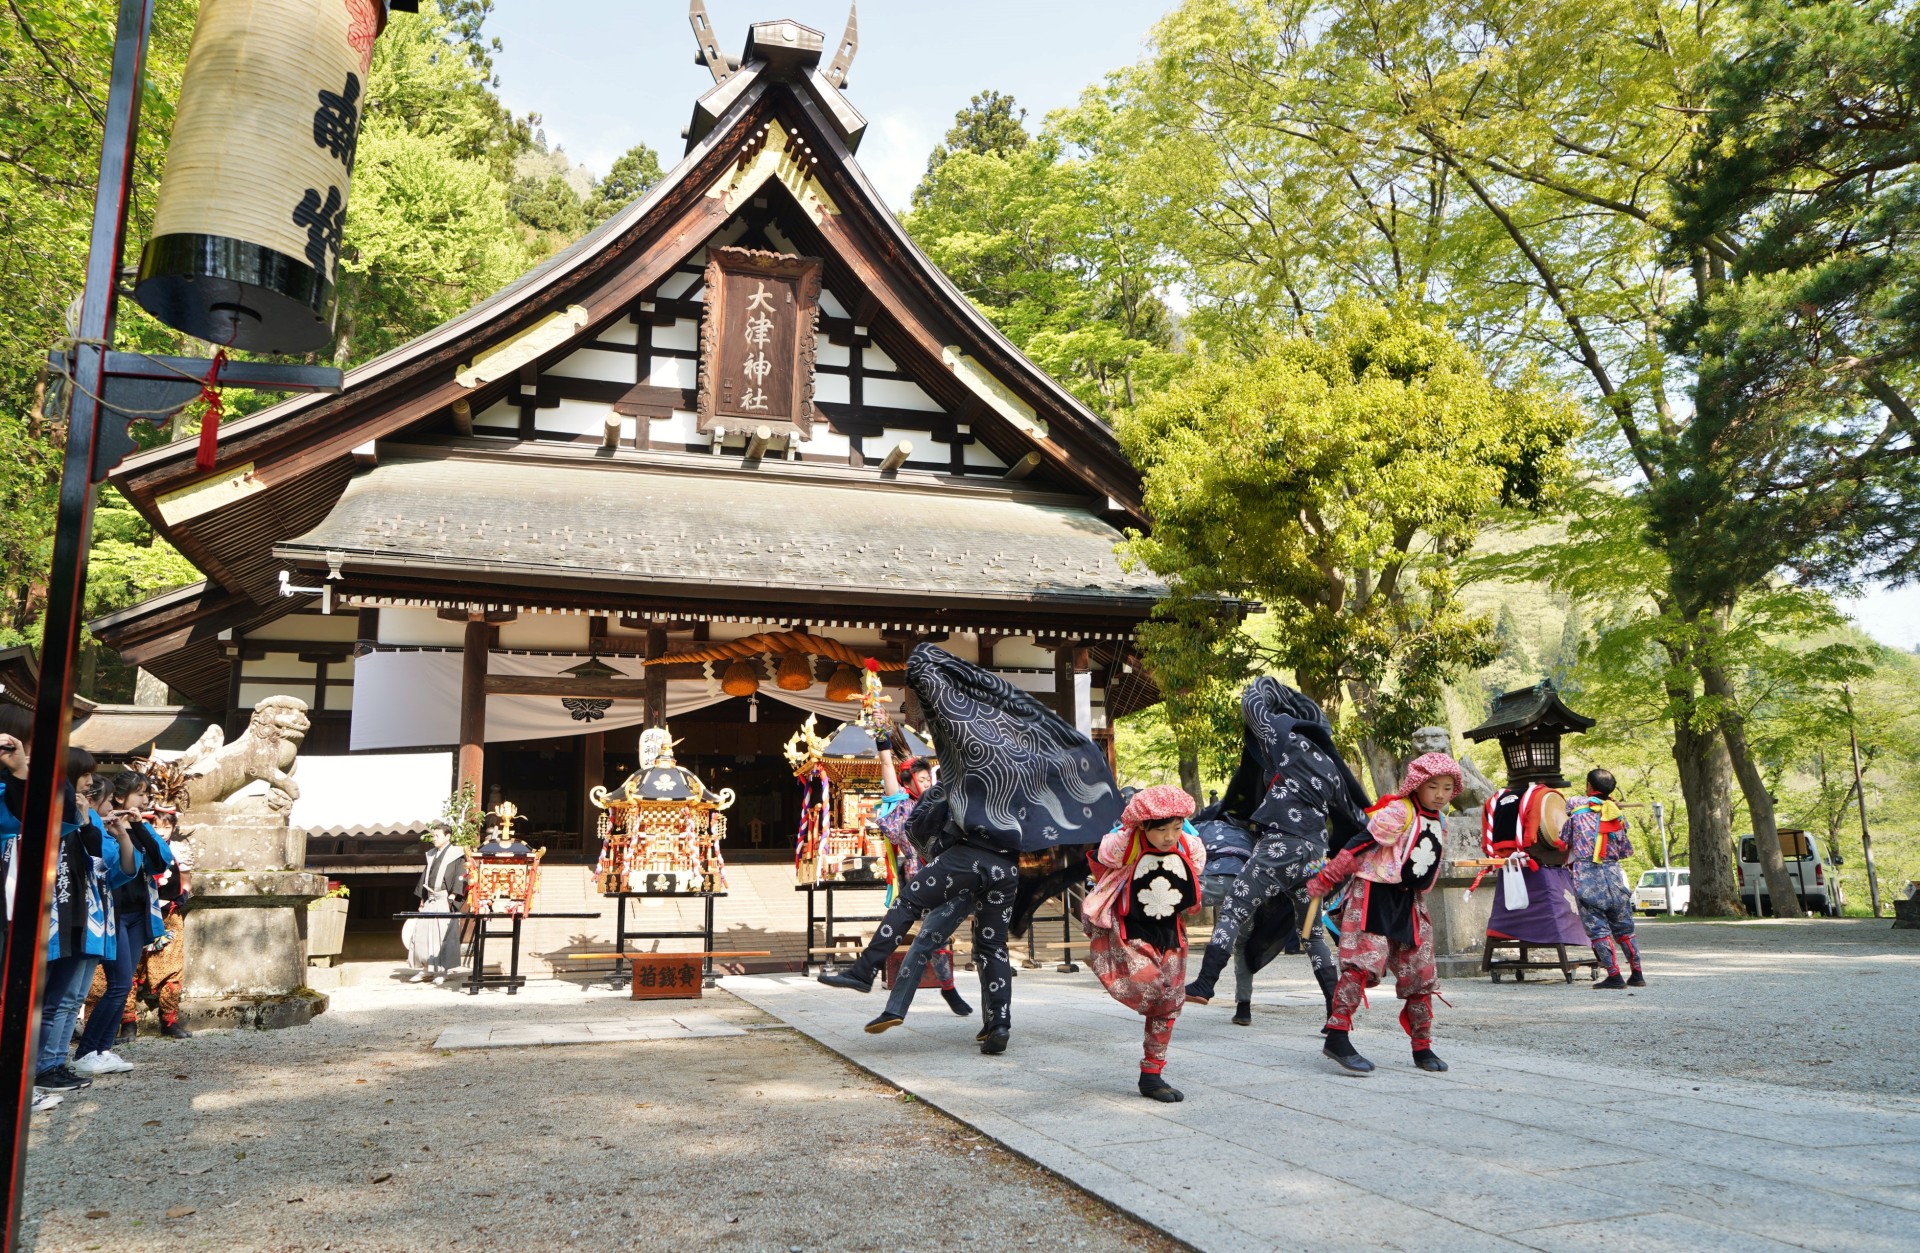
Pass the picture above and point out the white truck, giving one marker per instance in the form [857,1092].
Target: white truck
[1814,881]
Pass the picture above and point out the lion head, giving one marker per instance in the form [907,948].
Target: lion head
[281,718]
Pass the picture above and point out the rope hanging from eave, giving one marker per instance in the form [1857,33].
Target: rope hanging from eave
[777,642]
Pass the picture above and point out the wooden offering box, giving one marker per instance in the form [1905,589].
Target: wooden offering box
[666,976]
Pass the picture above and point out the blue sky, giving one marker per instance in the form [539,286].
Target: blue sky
[607,74]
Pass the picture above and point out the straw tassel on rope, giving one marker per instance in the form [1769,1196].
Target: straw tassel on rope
[210,421]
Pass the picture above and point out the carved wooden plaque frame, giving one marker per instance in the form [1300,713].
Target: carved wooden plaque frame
[758,340]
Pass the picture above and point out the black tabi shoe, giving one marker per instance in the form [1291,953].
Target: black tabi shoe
[1427,1059]
[885,1022]
[1609,983]
[996,1041]
[956,1002]
[1341,1050]
[1195,995]
[1154,1088]
[842,979]
[1243,1013]
[1636,980]
[174,1031]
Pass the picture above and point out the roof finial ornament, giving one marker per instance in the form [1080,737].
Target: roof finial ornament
[718,63]
[849,44]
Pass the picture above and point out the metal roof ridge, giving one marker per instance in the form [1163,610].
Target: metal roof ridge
[661,462]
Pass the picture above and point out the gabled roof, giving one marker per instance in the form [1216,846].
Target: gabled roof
[280,472]
[1529,707]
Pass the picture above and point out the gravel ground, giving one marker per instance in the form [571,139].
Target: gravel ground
[1830,1005]
[354,1133]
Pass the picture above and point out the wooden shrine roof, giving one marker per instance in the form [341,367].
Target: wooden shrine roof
[684,526]
[280,470]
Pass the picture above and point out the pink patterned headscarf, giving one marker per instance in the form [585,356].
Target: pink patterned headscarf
[1156,804]
[1431,766]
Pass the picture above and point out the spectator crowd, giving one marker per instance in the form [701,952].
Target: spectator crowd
[113,929]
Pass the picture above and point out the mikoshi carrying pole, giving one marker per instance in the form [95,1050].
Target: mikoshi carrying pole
[248,223]
[66,590]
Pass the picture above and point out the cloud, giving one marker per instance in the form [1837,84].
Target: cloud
[894,154]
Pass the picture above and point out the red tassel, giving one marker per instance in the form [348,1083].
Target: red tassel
[210,420]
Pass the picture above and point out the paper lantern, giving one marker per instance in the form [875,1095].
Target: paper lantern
[795,673]
[844,684]
[740,680]
[247,226]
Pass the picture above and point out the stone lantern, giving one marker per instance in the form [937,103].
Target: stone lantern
[1529,724]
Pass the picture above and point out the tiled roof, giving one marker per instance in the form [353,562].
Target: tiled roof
[728,532]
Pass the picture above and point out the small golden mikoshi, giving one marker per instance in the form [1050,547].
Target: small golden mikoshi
[844,684]
[795,673]
[247,226]
[740,679]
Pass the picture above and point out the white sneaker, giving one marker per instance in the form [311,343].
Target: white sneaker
[44,1100]
[439,981]
[419,976]
[92,1065]
[120,1064]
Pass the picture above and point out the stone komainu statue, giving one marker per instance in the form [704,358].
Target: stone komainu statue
[215,770]
[1478,788]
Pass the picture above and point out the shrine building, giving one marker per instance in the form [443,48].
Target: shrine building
[747,405]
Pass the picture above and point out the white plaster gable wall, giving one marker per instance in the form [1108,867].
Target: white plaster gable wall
[595,363]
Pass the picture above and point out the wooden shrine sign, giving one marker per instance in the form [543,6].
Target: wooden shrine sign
[757,343]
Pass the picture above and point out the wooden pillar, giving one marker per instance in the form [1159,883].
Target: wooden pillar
[1063,682]
[593,774]
[473,702]
[656,678]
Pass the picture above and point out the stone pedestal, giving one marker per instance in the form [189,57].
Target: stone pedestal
[1459,924]
[246,929]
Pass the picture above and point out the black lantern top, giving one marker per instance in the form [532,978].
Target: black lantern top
[1529,724]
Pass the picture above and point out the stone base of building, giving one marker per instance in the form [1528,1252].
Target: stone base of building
[252,1013]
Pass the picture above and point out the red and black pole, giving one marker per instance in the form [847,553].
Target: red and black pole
[39,842]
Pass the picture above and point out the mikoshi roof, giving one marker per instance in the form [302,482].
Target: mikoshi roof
[854,740]
[527,521]
[1527,708]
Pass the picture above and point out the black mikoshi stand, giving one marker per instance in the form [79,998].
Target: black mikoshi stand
[477,976]
[622,932]
[827,948]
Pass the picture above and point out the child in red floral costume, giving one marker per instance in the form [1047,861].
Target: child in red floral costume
[1148,870]
[1384,924]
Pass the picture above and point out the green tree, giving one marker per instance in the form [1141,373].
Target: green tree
[1048,239]
[991,125]
[431,229]
[54,65]
[428,233]
[632,176]
[1519,163]
[1337,477]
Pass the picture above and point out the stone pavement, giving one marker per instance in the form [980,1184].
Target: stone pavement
[683,1025]
[1274,1148]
